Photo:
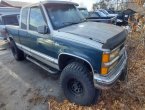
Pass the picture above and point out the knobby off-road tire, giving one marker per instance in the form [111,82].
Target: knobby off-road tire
[17,53]
[77,84]
[124,75]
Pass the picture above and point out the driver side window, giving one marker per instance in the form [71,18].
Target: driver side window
[36,19]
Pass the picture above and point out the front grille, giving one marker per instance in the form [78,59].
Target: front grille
[120,61]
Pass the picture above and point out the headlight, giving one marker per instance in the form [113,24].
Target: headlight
[109,61]
[114,54]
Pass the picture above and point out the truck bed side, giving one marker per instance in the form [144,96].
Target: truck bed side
[13,32]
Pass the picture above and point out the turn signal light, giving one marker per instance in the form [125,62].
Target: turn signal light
[105,58]
[104,71]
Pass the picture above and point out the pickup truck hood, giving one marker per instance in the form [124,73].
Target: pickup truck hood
[99,32]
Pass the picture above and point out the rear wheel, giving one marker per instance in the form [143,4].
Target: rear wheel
[77,84]
[17,53]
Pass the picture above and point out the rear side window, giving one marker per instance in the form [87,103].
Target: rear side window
[24,15]
[36,19]
[10,20]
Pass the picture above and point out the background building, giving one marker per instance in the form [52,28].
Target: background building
[11,7]
[10,3]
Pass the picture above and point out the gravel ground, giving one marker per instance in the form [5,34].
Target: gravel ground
[25,86]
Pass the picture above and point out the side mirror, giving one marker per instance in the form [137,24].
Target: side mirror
[43,29]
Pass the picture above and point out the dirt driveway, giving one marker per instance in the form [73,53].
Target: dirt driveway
[25,86]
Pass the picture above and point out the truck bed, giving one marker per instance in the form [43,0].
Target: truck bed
[13,31]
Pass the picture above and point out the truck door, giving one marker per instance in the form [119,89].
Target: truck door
[41,44]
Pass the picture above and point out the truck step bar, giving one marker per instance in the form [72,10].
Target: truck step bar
[51,71]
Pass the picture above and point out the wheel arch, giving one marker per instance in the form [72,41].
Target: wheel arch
[65,58]
[10,37]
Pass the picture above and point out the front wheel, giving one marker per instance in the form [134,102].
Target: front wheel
[124,75]
[77,84]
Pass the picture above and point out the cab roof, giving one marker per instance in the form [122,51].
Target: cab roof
[60,2]
[51,1]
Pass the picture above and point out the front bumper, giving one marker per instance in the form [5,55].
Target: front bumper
[106,82]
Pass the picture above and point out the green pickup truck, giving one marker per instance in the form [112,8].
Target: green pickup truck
[89,56]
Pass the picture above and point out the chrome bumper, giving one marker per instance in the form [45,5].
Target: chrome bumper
[106,82]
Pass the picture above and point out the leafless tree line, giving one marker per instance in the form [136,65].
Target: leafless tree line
[116,4]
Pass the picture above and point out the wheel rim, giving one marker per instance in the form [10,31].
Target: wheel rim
[75,87]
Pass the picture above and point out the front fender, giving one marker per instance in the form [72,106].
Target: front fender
[92,58]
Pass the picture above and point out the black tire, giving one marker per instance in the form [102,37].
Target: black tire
[96,97]
[17,53]
[77,84]
[124,75]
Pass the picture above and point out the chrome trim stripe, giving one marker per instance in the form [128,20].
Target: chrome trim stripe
[79,58]
[25,49]
[110,63]
[37,53]
[43,67]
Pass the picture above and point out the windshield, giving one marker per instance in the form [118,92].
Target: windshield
[101,14]
[62,15]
